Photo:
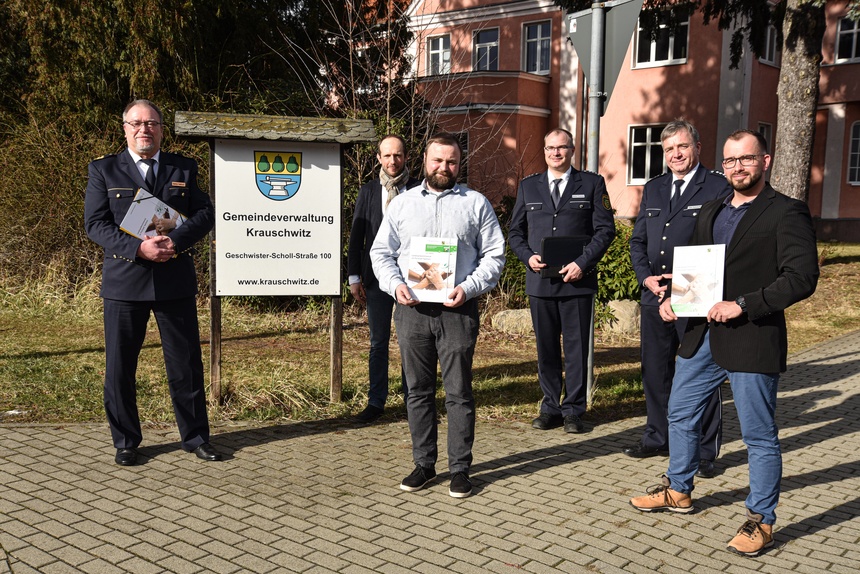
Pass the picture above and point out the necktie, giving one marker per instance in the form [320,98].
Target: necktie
[554,193]
[676,197]
[149,179]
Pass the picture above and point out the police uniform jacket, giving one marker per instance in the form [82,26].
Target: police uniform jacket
[113,182]
[658,230]
[584,209]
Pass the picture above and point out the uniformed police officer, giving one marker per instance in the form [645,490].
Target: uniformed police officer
[667,215]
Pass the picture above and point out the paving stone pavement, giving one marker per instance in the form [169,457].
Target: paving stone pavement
[324,497]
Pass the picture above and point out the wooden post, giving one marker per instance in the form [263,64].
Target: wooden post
[336,349]
[214,300]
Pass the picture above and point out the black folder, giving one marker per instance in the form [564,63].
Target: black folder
[558,251]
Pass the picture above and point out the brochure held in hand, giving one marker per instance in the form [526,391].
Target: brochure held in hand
[697,279]
[432,268]
[148,216]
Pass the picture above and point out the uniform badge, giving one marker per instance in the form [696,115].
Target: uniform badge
[606,203]
[279,174]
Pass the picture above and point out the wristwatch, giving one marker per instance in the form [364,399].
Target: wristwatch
[742,303]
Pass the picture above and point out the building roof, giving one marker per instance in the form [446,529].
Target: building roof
[205,125]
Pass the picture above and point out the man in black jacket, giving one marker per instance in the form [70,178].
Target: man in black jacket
[154,275]
[771,263]
[373,200]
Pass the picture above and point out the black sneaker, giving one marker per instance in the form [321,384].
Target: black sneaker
[572,423]
[547,421]
[461,486]
[419,478]
[369,414]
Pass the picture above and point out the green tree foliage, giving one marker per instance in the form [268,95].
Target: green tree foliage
[68,69]
[89,58]
[616,278]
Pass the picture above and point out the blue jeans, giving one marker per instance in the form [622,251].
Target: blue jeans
[379,306]
[429,333]
[755,401]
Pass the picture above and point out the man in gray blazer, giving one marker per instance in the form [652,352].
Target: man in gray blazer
[771,263]
[155,275]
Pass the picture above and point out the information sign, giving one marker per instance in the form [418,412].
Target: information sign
[278,218]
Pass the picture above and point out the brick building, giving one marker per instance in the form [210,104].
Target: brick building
[501,74]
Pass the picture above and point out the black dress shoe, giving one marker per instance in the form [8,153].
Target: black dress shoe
[126,456]
[206,452]
[639,450]
[547,421]
[706,469]
[369,414]
[572,423]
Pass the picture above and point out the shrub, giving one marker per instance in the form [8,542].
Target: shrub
[616,279]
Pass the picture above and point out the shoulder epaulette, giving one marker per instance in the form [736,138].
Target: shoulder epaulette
[104,156]
[534,174]
[718,172]
[656,176]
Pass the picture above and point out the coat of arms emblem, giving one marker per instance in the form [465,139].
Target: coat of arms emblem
[279,174]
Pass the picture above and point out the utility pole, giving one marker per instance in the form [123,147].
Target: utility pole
[600,36]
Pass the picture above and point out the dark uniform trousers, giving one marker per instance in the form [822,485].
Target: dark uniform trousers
[568,318]
[125,328]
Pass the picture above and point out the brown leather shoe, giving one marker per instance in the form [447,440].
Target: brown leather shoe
[752,538]
[661,497]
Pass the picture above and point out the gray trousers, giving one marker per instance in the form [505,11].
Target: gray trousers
[427,333]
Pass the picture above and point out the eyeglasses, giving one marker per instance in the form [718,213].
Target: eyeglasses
[136,125]
[746,160]
[552,148]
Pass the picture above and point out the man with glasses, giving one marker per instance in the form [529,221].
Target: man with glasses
[667,214]
[771,263]
[561,201]
[150,275]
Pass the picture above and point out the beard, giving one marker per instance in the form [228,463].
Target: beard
[441,180]
[145,146]
[754,178]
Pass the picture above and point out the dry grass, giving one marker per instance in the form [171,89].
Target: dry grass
[276,365]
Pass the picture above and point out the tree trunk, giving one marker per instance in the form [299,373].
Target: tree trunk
[803,31]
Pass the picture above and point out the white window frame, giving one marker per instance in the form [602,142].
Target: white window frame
[852,35]
[652,139]
[652,62]
[854,155]
[485,48]
[772,55]
[440,53]
[543,47]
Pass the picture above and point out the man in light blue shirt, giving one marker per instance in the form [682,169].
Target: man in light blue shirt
[439,331]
